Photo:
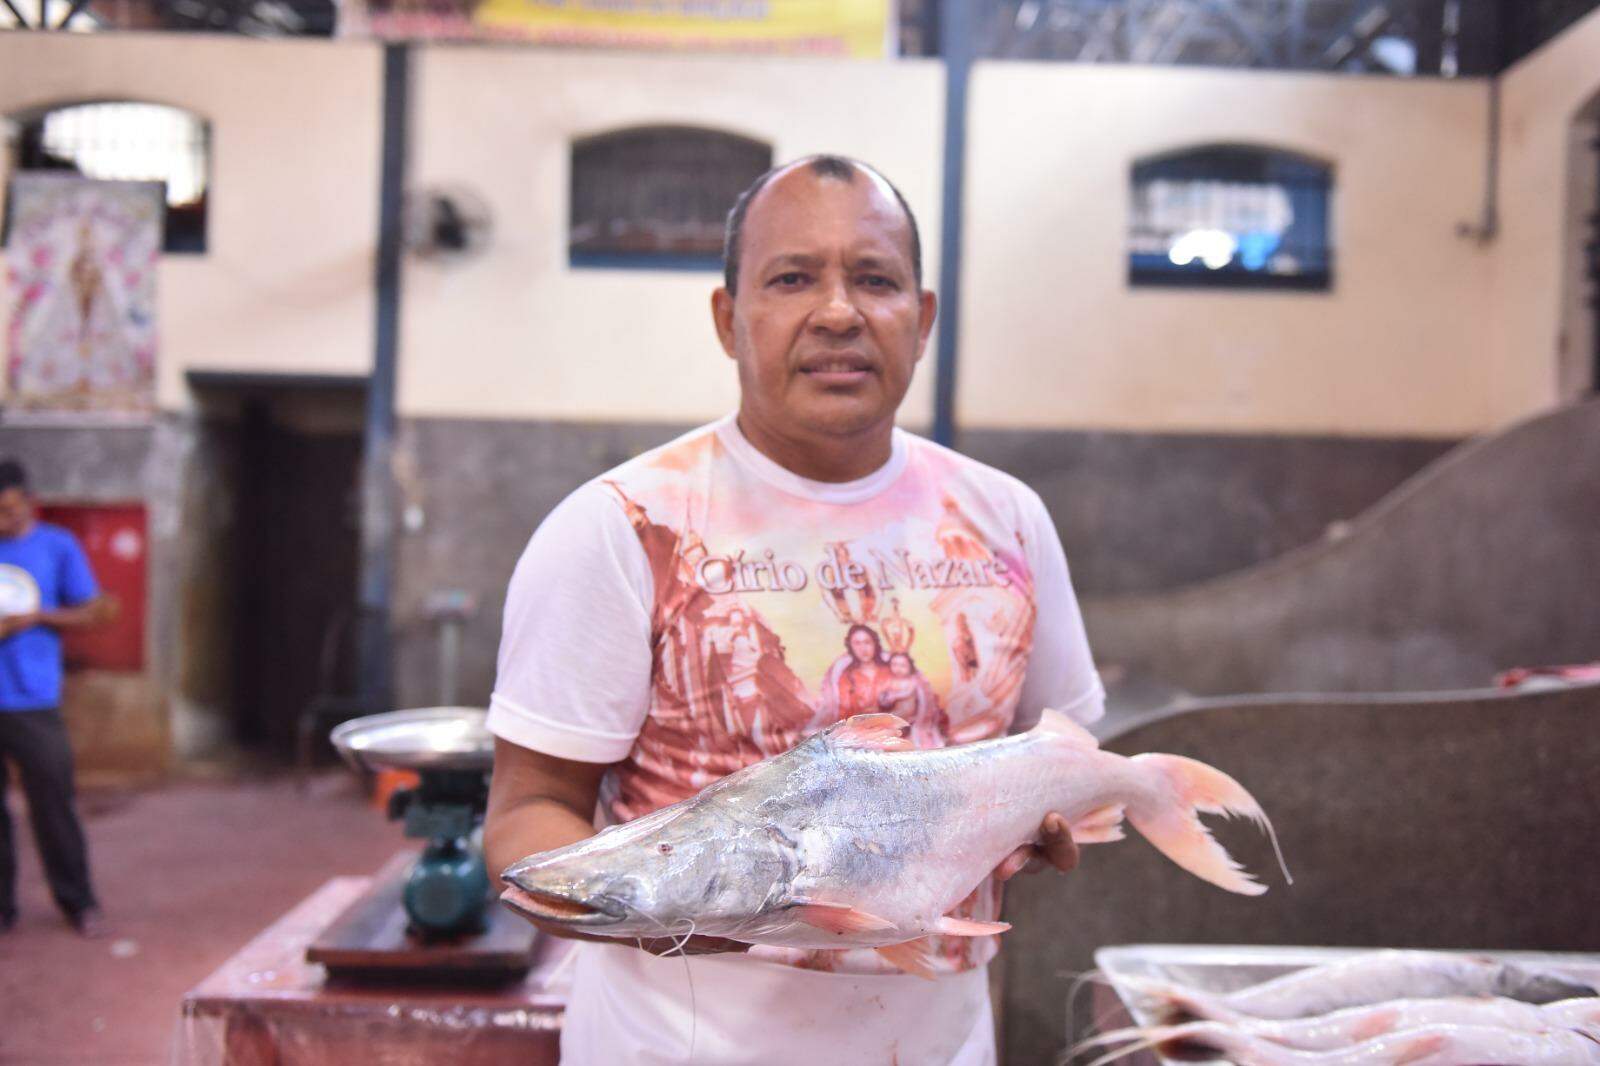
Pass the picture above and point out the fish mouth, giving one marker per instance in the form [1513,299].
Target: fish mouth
[550,907]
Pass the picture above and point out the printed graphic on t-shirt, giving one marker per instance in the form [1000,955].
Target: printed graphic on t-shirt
[917,602]
[19,592]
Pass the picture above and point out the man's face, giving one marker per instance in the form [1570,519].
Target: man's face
[16,512]
[828,322]
[862,646]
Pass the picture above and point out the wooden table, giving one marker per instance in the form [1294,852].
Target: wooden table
[267,1006]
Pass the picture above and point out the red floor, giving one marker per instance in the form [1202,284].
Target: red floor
[187,873]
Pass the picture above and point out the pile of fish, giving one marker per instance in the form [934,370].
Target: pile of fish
[854,839]
[1384,1008]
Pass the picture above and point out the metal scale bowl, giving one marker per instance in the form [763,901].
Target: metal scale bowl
[446,892]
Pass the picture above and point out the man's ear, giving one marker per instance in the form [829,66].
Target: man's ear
[722,318]
[929,304]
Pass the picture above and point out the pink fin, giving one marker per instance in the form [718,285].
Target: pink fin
[839,918]
[875,732]
[1054,723]
[950,926]
[1174,827]
[1103,825]
[1376,1024]
[913,957]
[1421,1048]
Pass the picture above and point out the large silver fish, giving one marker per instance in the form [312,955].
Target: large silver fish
[852,839]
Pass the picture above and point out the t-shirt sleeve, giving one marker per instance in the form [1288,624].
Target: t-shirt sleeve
[573,678]
[1061,672]
[75,583]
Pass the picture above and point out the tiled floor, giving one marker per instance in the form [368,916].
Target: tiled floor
[187,873]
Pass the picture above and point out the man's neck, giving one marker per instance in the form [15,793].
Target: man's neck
[825,458]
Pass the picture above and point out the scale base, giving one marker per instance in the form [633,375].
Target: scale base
[370,941]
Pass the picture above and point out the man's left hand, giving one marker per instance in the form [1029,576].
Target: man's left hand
[12,624]
[1055,847]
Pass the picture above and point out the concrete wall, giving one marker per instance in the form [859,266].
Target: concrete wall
[1053,336]
[1477,566]
[1531,361]
[517,333]
[1423,823]
[285,284]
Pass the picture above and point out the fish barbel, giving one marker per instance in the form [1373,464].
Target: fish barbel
[852,839]
[1361,980]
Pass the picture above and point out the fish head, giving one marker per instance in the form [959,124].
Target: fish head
[698,871]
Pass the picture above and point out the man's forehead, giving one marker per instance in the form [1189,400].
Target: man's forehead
[781,214]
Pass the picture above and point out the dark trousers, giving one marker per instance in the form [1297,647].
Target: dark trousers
[37,742]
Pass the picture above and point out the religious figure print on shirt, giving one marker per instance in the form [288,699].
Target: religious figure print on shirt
[919,603]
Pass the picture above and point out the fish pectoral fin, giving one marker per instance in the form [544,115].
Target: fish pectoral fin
[913,957]
[953,926]
[839,918]
[872,732]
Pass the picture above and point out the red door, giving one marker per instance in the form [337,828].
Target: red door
[114,538]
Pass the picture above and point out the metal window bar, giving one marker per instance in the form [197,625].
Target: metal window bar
[129,141]
[1231,216]
[658,195]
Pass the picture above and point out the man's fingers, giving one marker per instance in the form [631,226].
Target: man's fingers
[1056,843]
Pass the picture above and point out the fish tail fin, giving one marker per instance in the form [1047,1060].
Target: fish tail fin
[1175,828]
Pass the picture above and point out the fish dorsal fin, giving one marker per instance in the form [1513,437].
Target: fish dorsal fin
[870,732]
[839,918]
[950,925]
[913,957]
[1055,724]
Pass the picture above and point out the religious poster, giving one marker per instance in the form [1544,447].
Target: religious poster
[860,29]
[81,273]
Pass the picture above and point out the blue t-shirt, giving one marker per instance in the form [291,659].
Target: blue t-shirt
[43,569]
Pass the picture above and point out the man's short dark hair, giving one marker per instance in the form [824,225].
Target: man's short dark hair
[838,167]
[12,475]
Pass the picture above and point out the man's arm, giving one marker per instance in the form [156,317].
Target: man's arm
[538,802]
[100,609]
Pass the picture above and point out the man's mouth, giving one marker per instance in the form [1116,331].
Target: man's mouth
[837,369]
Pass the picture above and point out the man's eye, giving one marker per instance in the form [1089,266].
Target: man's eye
[794,277]
[878,281]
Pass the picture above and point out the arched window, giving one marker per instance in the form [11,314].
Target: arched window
[657,197]
[128,141]
[1232,216]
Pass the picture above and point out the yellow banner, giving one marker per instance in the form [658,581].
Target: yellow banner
[856,28]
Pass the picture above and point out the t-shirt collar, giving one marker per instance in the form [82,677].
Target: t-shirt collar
[779,477]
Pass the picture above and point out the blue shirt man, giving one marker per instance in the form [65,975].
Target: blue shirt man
[45,586]
[40,571]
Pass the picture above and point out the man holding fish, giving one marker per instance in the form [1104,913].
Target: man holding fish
[722,573]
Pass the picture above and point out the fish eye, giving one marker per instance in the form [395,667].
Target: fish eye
[664,848]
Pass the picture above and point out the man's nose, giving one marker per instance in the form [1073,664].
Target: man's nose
[837,312]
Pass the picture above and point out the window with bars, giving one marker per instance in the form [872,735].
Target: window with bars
[1231,216]
[657,197]
[125,140]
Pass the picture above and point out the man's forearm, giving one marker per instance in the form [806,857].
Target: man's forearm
[528,827]
[97,610]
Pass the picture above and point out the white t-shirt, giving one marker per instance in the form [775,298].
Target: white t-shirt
[700,608]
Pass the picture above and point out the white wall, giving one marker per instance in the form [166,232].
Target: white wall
[1053,336]
[1541,98]
[285,284]
[516,332]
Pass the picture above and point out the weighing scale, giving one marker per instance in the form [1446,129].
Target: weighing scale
[431,915]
